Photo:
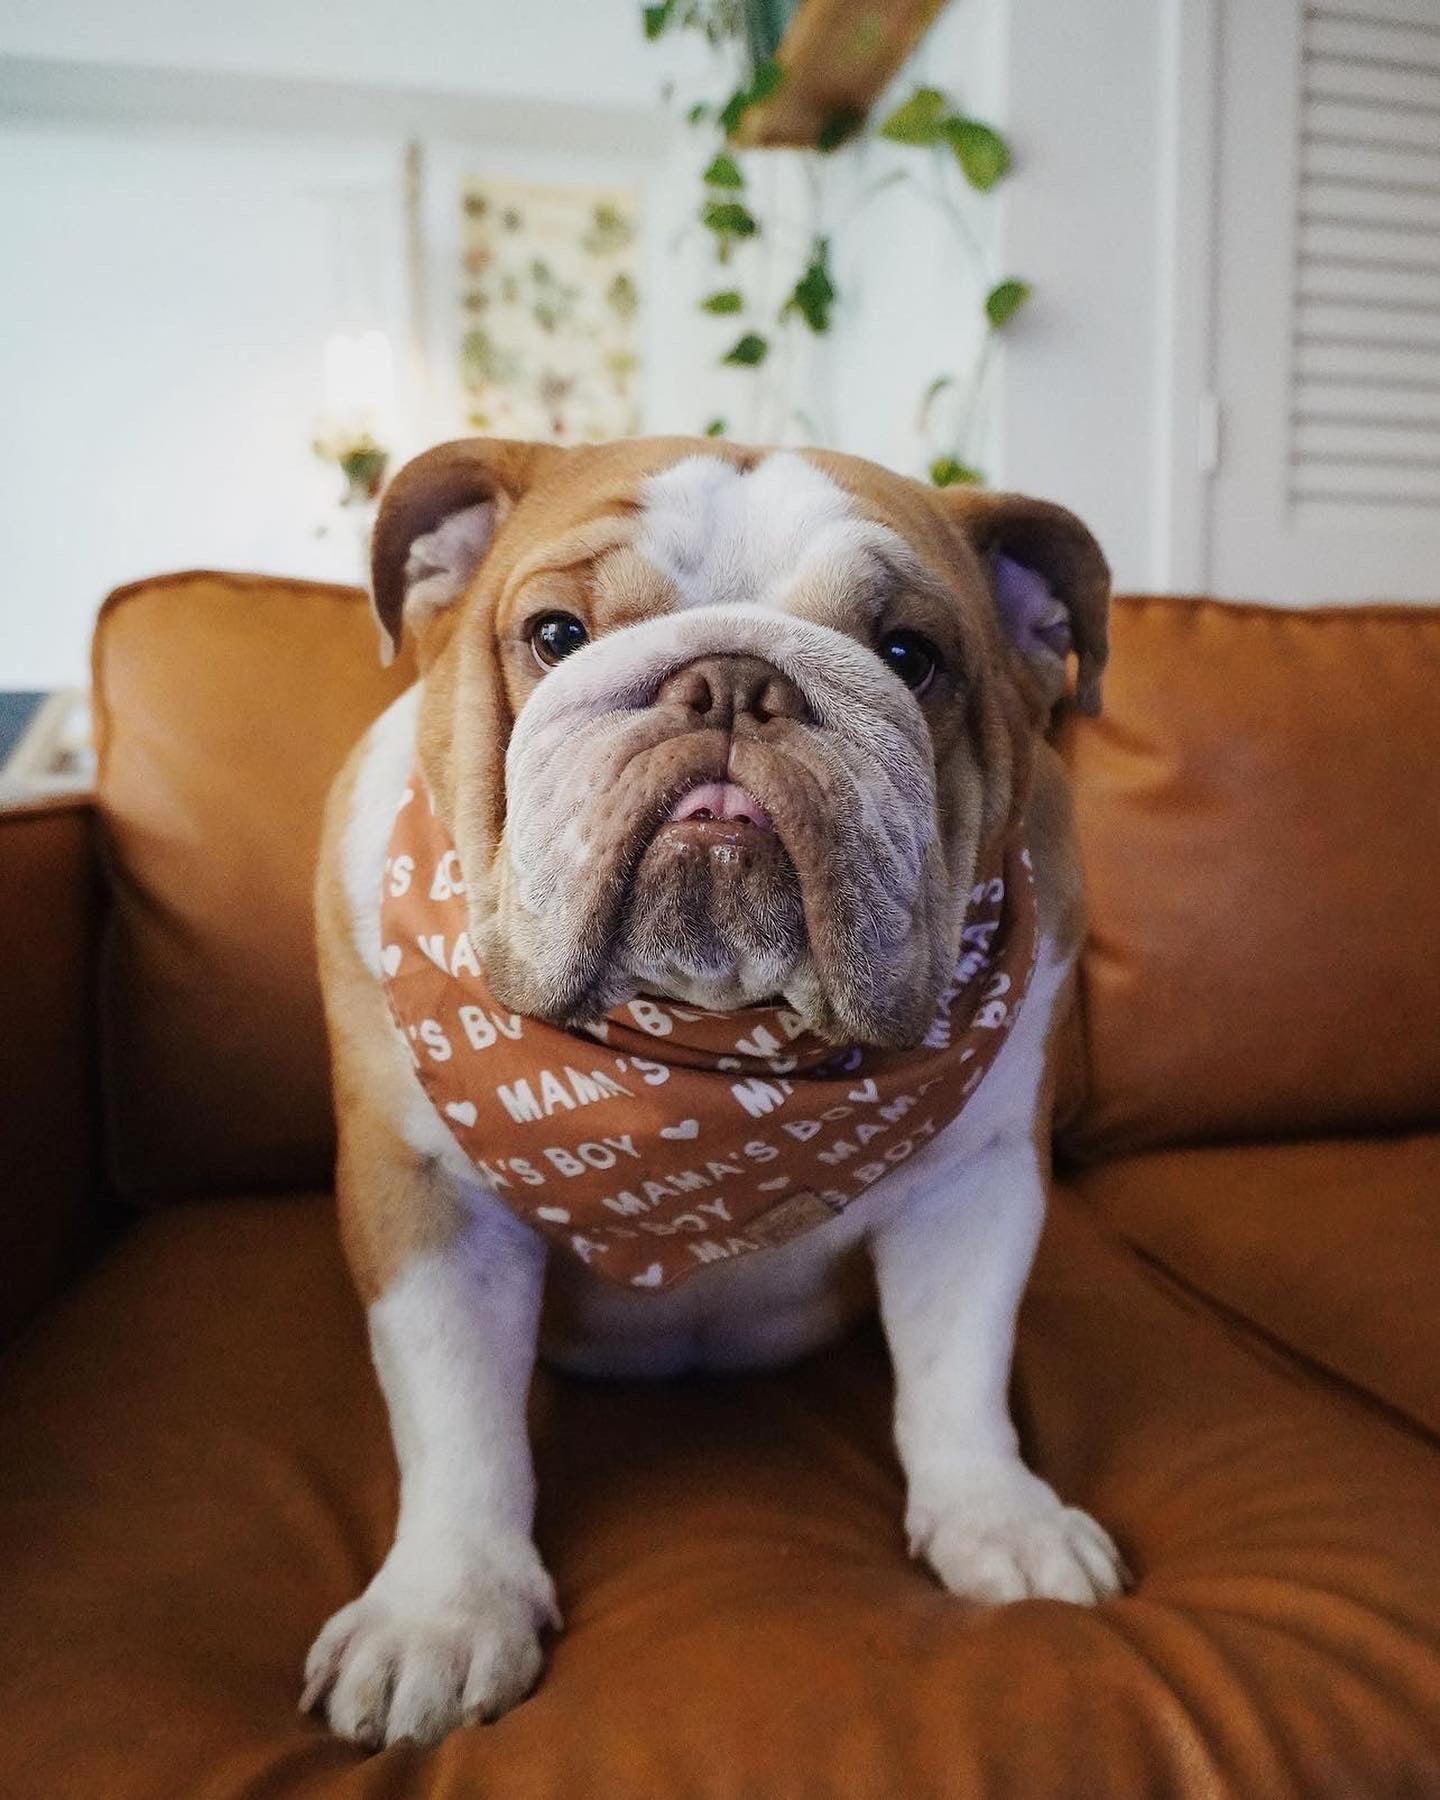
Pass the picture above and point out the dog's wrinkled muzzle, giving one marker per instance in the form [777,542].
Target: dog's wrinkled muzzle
[786,753]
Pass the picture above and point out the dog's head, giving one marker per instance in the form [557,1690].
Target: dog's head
[721,724]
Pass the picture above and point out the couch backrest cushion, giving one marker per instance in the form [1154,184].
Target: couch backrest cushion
[1259,809]
[225,704]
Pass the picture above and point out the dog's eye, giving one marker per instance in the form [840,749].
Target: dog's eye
[912,657]
[556,635]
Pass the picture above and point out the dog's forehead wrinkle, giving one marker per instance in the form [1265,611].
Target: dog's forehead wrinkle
[723,535]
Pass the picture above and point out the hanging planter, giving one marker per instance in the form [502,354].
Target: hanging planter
[810,72]
[837,57]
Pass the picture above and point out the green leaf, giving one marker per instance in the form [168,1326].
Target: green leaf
[724,172]
[814,293]
[768,78]
[982,153]
[728,300]
[763,84]
[733,110]
[919,120]
[728,218]
[949,471]
[1005,300]
[656,18]
[716,428]
[749,352]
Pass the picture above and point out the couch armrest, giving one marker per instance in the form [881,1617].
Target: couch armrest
[49,1116]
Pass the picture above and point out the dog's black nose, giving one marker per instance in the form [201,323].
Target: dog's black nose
[718,690]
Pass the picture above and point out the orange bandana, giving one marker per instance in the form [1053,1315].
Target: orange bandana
[663,1138]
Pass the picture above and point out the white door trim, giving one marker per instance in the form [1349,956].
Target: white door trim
[1187,422]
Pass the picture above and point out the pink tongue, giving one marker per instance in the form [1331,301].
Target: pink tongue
[721,800]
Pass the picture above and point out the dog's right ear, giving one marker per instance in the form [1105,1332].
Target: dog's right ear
[436,522]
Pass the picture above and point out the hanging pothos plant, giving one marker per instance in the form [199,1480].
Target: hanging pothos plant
[927,121]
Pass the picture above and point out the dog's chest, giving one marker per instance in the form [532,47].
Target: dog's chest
[755,1312]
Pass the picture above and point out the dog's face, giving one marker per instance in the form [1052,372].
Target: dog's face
[722,725]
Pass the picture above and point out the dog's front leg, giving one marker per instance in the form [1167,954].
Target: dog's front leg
[449,1629]
[951,1264]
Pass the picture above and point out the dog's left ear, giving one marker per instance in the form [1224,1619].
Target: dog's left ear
[436,523]
[1050,582]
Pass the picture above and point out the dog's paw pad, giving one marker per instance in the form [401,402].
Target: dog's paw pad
[386,1669]
[1007,1539]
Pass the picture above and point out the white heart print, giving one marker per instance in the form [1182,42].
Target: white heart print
[390,959]
[684,1131]
[461,1111]
[552,1215]
[774,1185]
[652,1277]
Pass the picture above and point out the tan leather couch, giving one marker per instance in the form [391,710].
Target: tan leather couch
[1228,1350]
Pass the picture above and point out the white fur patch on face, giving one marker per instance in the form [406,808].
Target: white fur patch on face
[725,535]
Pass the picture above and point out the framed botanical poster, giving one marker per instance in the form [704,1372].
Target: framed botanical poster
[549,309]
[553,290]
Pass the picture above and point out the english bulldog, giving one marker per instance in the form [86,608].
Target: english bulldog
[693,934]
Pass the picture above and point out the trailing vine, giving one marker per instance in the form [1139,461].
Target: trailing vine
[743,34]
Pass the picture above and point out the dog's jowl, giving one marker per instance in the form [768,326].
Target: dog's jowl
[703,912]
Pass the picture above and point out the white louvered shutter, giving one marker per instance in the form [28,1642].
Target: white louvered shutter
[1328,301]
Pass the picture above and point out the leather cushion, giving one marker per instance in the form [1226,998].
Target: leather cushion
[1332,1247]
[225,705]
[49,897]
[741,1615]
[1257,809]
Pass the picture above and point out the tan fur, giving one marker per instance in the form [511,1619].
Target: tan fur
[1055,850]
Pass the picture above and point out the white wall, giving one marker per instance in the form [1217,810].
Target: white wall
[191,201]
[566,50]
[1076,399]
[1081,401]
[912,312]
[169,183]
[164,308]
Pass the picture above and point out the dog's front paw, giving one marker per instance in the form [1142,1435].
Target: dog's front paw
[1002,1534]
[414,1658]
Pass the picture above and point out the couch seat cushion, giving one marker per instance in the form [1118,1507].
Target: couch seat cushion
[1333,1247]
[194,1472]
